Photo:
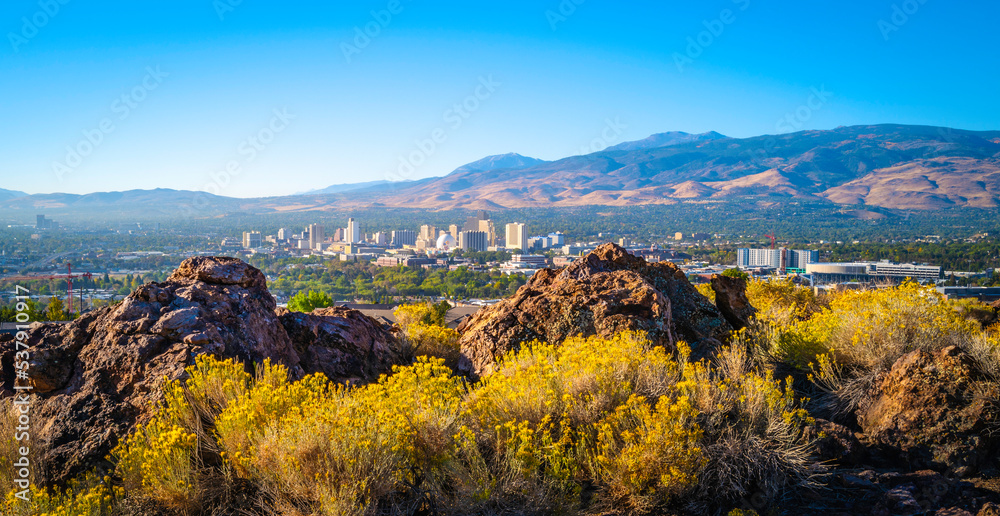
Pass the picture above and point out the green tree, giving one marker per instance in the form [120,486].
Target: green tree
[309,301]
[56,310]
[736,273]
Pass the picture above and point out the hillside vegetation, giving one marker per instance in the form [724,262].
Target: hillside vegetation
[585,426]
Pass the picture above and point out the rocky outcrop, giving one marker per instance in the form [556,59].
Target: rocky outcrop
[95,378]
[731,299]
[342,343]
[930,410]
[606,292]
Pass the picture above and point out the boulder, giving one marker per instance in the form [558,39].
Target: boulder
[97,377]
[930,411]
[731,299]
[606,292]
[342,343]
[832,442]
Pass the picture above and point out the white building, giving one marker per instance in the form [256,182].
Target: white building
[517,237]
[351,232]
[473,240]
[252,240]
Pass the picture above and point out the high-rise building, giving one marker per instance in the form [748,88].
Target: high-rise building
[380,238]
[798,259]
[338,235]
[252,239]
[486,226]
[473,240]
[782,258]
[517,237]
[428,232]
[316,235]
[404,237]
[283,234]
[557,239]
[352,233]
[472,222]
[453,229]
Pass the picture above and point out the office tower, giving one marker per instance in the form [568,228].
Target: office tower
[404,237]
[517,237]
[486,226]
[428,232]
[316,235]
[380,238]
[453,229]
[473,240]
[353,234]
[252,239]
[283,234]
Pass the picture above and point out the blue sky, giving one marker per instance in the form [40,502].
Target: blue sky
[253,98]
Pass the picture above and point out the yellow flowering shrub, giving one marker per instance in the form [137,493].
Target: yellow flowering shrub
[86,496]
[434,341]
[873,328]
[270,398]
[347,450]
[158,460]
[781,301]
[647,455]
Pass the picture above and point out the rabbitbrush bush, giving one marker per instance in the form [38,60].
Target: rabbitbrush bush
[625,421]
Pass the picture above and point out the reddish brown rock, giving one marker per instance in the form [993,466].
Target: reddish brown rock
[731,298]
[94,379]
[342,343]
[604,293]
[930,411]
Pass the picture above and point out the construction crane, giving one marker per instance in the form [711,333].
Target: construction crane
[69,276]
[774,241]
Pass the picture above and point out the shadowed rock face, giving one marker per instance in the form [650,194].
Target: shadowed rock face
[731,298]
[604,293]
[94,379]
[927,412]
[342,343]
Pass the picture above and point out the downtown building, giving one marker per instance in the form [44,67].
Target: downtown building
[473,240]
[785,260]
[400,238]
[517,236]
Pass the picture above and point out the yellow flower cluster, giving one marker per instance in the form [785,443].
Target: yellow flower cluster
[87,496]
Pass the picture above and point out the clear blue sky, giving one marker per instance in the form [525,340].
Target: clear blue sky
[557,81]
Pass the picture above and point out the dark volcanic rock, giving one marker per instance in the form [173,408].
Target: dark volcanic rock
[731,298]
[604,293]
[342,343]
[834,442]
[94,379]
[928,411]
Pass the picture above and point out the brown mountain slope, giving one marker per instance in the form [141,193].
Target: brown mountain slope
[925,184]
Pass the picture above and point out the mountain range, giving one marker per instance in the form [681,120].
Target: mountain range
[892,166]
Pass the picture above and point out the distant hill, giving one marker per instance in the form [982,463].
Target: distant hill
[665,140]
[162,201]
[891,166]
[509,161]
[10,194]
[348,187]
